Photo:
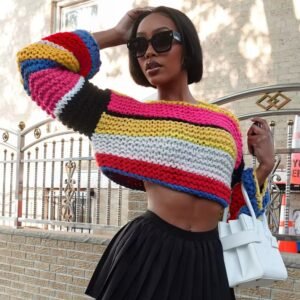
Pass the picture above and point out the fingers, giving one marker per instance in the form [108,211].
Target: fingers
[262,123]
[259,126]
[259,137]
[134,13]
[124,27]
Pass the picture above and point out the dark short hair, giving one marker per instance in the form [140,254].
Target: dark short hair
[192,52]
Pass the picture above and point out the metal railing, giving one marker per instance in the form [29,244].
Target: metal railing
[54,183]
[274,97]
[49,178]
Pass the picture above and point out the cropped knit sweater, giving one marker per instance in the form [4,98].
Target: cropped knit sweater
[191,148]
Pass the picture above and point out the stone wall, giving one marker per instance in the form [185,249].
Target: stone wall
[287,290]
[58,265]
[47,265]
[22,22]
[246,44]
[137,204]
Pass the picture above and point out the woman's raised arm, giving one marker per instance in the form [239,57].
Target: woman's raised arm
[119,34]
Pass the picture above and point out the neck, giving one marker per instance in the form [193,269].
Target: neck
[176,93]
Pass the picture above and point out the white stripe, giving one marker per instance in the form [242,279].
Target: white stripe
[68,97]
[45,42]
[169,152]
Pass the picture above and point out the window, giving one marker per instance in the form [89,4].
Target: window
[71,14]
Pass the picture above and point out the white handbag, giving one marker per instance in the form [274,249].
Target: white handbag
[251,253]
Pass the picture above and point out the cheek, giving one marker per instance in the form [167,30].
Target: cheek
[175,64]
[176,57]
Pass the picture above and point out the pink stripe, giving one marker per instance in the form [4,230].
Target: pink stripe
[129,106]
[47,87]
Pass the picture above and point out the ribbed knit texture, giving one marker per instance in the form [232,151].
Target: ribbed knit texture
[192,148]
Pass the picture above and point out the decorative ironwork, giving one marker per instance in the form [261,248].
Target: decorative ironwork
[278,100]
[4,186]
[273,208]
[69,190]
[21,125]
[37,133]
[5,136]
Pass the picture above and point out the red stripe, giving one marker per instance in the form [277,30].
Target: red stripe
[283,200]
[166,174]
[74,44]
[237,201]
[290,223]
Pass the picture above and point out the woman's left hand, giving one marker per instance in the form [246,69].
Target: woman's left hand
[260,143]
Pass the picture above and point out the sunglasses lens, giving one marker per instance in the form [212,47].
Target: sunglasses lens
[162,41]
[138,46]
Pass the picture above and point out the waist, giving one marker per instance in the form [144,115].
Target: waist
[179,232]
[183,210]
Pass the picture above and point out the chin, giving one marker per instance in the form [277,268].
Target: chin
[156,82]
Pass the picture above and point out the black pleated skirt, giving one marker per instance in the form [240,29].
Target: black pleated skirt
[150,259]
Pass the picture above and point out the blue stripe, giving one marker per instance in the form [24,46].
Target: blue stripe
[33,65]
[93,49]
[106,171]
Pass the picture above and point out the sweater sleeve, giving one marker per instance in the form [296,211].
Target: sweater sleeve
[55,73]
[259,197]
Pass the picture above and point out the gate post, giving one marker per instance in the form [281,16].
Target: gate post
[19,174]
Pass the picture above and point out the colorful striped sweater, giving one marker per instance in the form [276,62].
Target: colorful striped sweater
[192,148]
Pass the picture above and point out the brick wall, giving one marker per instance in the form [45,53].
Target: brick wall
[287,290]
[58,265]
[47,265]
[137,203]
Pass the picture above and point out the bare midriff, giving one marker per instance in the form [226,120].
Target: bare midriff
[183,210]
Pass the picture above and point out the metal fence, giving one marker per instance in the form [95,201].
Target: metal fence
[54,183]
[49,178]
[272,100]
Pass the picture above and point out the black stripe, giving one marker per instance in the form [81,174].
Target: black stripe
[237,174]
[83,112]
[137,117]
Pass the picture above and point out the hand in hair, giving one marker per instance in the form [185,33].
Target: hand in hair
[123,28]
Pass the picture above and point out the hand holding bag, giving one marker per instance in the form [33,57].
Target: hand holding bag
[251,253]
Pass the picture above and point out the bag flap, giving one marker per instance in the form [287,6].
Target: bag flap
[239,239]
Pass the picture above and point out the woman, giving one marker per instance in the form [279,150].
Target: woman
[186,154]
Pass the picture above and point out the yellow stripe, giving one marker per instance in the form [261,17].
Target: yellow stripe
[207,136]
[260,194]
[44,51]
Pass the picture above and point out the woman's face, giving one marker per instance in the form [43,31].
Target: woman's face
[161,69]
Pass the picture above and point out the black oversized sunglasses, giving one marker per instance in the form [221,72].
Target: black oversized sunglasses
[161,42]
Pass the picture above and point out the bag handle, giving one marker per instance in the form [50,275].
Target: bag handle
[249,205]
[248,202]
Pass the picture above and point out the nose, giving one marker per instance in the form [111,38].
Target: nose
[150,51]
